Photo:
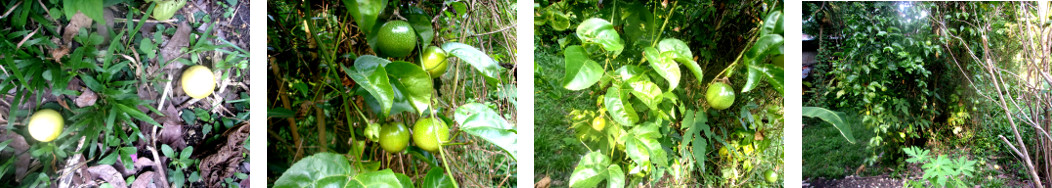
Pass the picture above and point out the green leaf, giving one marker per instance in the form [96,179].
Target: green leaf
[365,13]
[482,62]
[305,172]
[764,72]
[591,170]
[678,47]
[663,65]
[90,8]
[763,45]
[772,23]
[369,73]
[618,106]
[831,117]
[616,177]
[436,178]
[382,178]
[135,113]
[635,149]
[421,23]
[333,181]
[559,20]
[646,91]
[628,72]
[481,121]
[274,112]
[416,83]
[581,72]
[601,32]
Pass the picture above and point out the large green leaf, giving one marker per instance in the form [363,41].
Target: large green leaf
[628,72]
[617,105]
[559,20]
[417,85]
[369,73]
[615,176]
[764,46]
[379,179]
[90,8]
[592,170]
[421,23]
[481,121]
[581,71]
[308,171]
[772,22]
[764,72]
[645,90]
[678,47]
[482,62]
[663,65]
[832,117]
[365,12]
[601,32]
[437,178]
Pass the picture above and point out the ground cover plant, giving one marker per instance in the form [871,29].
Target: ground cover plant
[945,94]
[662,93]
[122,93]
[391,94]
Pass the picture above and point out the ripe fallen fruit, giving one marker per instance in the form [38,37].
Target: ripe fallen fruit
[598,124]
[770,176]
[394,137]
[165,9]
[45,125]
[434,61]
[198,81]
[396,39]
[720,96]
[425,132]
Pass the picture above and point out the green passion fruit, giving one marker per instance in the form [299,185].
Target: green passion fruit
[394,137]
[434,61]
[770,176]
[720,96]
[430,133]
[599,123]
[396,39]
[45,125]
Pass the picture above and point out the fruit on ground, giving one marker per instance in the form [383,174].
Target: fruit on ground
[430,133]
[598,123]
[434,61]
[165,9]
[396,39]
[198,81]
[720,96]
[394,137]
[770,176]
[45,125]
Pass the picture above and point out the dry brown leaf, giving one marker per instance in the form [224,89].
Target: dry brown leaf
[18,145]
[86,98]
[179,40]
[172,134]
[109,174]
[146,180]
[544,183]
[225,162]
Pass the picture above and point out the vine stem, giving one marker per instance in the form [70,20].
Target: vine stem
[445,163]
[752,41]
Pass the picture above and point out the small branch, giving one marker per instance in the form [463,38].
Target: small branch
[496,31]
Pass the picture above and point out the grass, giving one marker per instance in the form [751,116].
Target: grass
[556,149]
[827,154]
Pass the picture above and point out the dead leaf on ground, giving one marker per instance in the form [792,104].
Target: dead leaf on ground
[109,174]
[146,180]
[179,40]
[225,162]
[86,98]
[544,183]
[77,22]
[18,145]
[172,134]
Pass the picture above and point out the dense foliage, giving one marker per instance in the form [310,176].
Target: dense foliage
[368,105]
[936,75]
[648,71]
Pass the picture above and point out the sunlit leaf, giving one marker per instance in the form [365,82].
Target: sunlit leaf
[617,105]
[306,171]
[365,12]
[417,83]
[591,170]
[832,117]
[581,72]
[369,73]
[664,66]
[481,121]
[601,32]
[482,62]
